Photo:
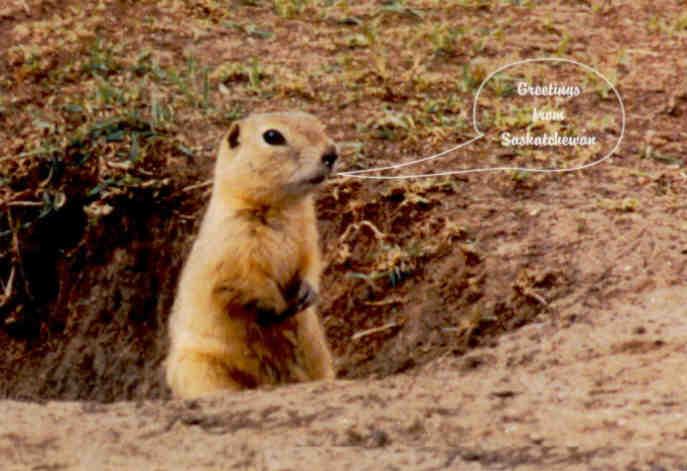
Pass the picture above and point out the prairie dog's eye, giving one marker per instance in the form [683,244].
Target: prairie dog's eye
[274,137]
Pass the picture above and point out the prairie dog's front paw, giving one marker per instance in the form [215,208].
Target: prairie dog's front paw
[268,305]
[306,297]
[297,300]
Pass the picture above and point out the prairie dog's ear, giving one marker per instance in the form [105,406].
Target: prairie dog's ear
[233,136]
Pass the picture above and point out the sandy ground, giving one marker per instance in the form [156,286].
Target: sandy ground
[600,389]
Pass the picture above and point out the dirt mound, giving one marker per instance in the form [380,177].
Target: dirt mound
[595,389]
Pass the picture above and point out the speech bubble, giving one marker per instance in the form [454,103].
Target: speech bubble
[584,149]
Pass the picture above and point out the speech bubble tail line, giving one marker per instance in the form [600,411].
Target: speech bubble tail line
[412,162]
[482,170]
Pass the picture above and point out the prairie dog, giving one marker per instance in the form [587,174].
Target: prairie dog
[244,312]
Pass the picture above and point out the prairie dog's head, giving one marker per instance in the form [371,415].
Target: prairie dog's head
[274,157]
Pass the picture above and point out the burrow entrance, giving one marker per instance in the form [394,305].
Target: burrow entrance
[406,281]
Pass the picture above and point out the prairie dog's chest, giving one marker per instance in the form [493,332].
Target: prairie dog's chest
[279,247]
[236,243]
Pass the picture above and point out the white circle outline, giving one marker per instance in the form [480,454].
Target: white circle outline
[480,134]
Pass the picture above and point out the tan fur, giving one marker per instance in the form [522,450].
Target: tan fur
[258,235]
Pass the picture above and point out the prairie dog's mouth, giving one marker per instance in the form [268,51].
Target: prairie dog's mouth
[317,179]
[306,183]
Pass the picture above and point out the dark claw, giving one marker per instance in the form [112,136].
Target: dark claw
[264,316]
[303,299]
[306,297]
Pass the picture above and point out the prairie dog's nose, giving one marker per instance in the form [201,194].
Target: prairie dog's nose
[329,157]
